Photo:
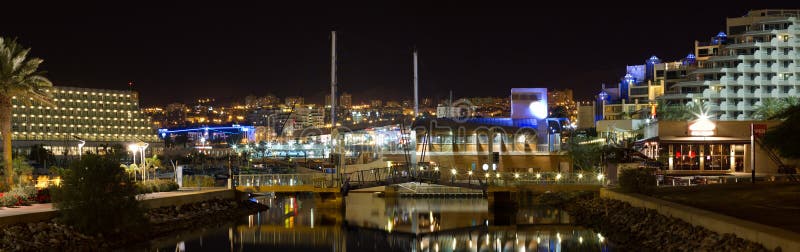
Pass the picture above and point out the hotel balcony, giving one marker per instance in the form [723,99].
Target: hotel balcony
[672,96]
[741,45]
[744,81]
[742,117]
[712,106]
[777,93]
[793,92]
[777,55]
[725,116]
[743,106]
[744,68]
[710,93]
[778,68]
[726,106]
[760,81]
[723,58]
[761,68]
[778,81]
[726,93]
[760,55]
[760,93]
[708,70]
[743,93]
[727,80]
[778,42]
[746,57]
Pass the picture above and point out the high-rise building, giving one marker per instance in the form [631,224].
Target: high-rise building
[586,117]
[345,100]
[293,100]
[757,59]
[376,103]
[102,118]
[176,114]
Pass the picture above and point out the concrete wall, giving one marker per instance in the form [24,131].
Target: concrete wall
[43,212]
[770,237]
[189,198]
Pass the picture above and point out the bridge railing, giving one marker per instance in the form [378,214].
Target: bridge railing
[513,178]
[315,180]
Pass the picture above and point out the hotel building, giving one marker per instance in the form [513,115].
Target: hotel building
[758,59]
[102,118]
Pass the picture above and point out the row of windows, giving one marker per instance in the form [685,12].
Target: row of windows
[88,137]
[56,126]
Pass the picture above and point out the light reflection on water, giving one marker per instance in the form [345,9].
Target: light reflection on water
[370,223]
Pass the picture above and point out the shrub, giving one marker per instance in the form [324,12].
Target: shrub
[639,180]
[8,200]
[43,196]
[156,185]
[97,196]
[198,181]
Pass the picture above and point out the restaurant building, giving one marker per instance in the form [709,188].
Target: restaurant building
[708,147]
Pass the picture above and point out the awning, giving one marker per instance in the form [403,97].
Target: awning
[698,139]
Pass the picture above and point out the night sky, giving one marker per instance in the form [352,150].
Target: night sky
[180,52]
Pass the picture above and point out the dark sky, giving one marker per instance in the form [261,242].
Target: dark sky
[177,52]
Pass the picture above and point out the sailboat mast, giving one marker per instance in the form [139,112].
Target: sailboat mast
[333,79]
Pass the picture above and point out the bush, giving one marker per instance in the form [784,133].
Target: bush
[199,181]
[19,196]
[8,200]
[156,185]
[43,196]
[640,180]
[97,196]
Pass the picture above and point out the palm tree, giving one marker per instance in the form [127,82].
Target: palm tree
[19,77]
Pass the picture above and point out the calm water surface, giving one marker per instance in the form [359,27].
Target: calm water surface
[371,223]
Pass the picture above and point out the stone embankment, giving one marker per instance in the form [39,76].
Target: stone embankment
[53,236]
[633,228]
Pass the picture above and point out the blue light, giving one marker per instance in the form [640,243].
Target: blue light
[722,35]
[654,60]
[603,95]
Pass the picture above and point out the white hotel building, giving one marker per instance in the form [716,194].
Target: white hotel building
[759,60]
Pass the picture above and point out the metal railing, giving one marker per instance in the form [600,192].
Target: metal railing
[441,177]
[315,180]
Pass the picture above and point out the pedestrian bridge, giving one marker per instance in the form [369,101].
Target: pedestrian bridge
[484,181]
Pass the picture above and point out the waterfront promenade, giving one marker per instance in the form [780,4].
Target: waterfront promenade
[41,212]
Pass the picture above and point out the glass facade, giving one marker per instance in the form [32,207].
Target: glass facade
[705,156]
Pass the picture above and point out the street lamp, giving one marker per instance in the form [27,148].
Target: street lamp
[133,149]
[81,142]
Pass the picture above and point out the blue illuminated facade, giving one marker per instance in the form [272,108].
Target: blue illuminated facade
[650,66]
[719,39]
[689,60]
[210,133]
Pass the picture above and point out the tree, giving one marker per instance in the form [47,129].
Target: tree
[680,112]
[559,112]
[772,107]
[584,153]
[19,77]
[97,196]
[784,137]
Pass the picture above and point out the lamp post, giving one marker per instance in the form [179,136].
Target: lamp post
[133,149]
[81,142]
[142,147]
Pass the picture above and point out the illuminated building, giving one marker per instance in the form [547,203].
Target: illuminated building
[757,59]
[101,117]
[345,100]
[293,100]
[707,147]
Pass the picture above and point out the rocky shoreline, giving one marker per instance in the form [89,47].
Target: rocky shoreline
[638,229]
[54,236]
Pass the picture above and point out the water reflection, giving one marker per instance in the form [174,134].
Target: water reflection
[371,223]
